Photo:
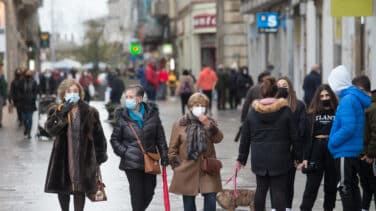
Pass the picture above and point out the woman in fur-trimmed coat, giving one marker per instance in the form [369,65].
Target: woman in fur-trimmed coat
[193,138]
[270,133]
[79,147]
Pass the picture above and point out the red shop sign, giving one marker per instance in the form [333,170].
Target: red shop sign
[204,21]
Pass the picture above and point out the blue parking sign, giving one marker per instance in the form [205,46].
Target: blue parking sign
[268,21]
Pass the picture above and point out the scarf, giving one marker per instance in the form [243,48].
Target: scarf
[138,117]
[196,137]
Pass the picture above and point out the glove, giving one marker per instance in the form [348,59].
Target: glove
[66,108]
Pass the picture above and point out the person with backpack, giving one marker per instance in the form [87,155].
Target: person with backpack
[185,89]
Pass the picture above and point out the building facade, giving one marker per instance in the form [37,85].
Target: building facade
[195,35]
[309,35]
[22,35]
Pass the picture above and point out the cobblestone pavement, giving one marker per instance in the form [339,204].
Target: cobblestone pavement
[24,162]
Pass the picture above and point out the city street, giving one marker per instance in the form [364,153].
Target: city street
[24,163]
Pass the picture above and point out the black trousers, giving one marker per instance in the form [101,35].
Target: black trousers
[221,100]
[141,188]
[326,168]
[232,97]
[290,181]
[78,201]
[368,183]
[347,170]
[184,97]
[209,94]
[277,185]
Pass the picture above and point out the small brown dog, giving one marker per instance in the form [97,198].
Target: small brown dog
[245,198]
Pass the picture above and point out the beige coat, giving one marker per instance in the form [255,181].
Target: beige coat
[188,179]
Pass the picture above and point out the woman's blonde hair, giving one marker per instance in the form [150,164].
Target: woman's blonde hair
[65,85]
[198,98]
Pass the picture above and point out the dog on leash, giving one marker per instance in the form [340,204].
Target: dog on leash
[245,198]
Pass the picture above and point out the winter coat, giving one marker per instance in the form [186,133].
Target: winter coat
[207,79]
[151,77]
[370,130]
[311,82]
[152,136]
[92,146]
[270,132]
[117,89]
[188,179]
[28,95]
[300,119]
[244,82]
[3,87]
[186,85]
[141,76]
[253,93]
[15,92]
[48,86]
[346,136]
[223,81]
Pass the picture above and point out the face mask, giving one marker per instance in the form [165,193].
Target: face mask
[130,104]
[72,97]
[198,110]
[283,92]
[47,75]
[325,103]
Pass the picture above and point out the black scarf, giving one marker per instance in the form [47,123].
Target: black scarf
[196,137]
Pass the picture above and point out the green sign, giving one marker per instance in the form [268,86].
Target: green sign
[135,49]
[352,8]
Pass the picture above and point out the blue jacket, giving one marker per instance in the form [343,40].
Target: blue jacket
[346,135]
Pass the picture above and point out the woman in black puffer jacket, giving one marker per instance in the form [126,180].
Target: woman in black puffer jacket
[144,117]
[271,131]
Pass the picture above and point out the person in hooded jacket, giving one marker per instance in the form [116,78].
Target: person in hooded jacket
[321,114]
[192,139]
[298,108]
[270,133]
[79,148]
[346,136]
[144,118]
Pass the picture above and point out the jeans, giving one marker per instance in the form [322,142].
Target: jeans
[141,188]
[27,118]
[209,202]
[277,185]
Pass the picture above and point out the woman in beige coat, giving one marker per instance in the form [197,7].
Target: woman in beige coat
[193,138]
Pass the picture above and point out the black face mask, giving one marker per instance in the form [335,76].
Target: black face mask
[283,92]
[325,103]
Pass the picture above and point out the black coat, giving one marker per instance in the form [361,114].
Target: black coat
[311,82]
[253,93]
[28,95]
[117,89]
[92,145]
[270,130]
[48,86]
[152,136]
[244,83]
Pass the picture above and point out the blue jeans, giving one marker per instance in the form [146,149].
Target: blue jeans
[27,118]
[209,202]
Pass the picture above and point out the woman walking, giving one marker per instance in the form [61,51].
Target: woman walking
[185,89]
[79,147]
[319,122]
[138,120]
[270,132]
[192,140]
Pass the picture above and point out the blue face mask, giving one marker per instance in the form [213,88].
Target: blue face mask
[130,104]
[72,97]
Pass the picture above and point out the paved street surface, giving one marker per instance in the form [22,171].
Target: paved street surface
[24,163]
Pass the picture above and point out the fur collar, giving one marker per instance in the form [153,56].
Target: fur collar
[269,108]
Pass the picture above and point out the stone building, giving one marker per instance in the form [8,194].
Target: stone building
[22,34]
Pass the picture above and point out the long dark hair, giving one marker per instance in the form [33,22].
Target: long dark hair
[316,105]
[292,94]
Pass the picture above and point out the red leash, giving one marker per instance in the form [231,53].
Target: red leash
[233,177]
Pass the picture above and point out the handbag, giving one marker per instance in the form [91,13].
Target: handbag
[151,159]
[211,166]
[100,194]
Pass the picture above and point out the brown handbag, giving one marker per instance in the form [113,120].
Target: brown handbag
[100,194]
[211,166]
[151,160]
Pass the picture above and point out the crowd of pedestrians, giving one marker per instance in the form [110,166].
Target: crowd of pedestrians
[329,135]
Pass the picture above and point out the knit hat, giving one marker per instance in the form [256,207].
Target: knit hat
[339,79]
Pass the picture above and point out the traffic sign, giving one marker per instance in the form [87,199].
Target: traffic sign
[135,49]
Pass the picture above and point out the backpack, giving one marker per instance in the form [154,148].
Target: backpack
[186,88]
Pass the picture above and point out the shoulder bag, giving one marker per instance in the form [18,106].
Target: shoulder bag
[151,160]
[100,194]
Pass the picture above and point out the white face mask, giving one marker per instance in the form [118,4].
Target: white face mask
[198,110]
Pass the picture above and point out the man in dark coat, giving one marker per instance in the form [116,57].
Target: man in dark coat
[28,99]
[221,87]
[311,82]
